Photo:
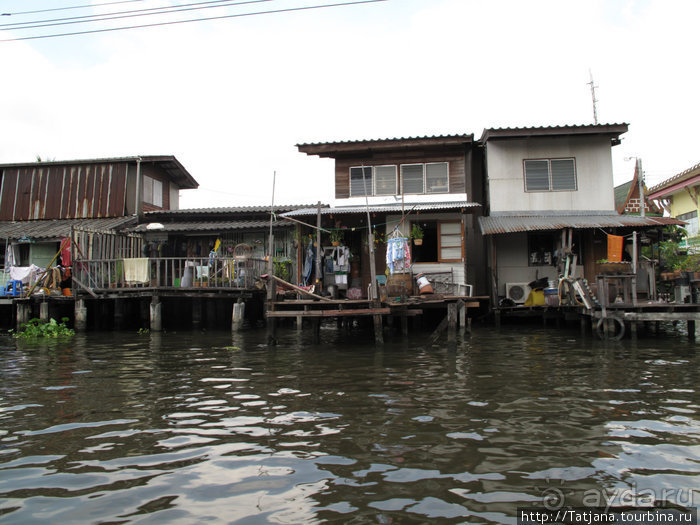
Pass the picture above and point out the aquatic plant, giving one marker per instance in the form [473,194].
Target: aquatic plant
[36,328]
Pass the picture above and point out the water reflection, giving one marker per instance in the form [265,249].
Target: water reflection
[190,427]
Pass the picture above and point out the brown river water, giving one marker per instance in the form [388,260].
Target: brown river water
[210,427]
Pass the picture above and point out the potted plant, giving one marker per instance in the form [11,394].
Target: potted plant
[336,237]
[417,234]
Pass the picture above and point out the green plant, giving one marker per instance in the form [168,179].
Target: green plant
[36,328]
[337,236]
[416,231]
[282,267]
[143,331]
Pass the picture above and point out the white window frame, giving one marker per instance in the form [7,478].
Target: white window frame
[549,175]
[402,167]
[425,177]
[370,183]
[156,191]
[374,178]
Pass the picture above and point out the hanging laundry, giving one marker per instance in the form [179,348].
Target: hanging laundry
[398,255]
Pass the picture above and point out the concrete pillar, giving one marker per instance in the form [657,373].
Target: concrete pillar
[156,314]
[404,325]
[238,315]
[44,311]
[80,315]
[462,316]
[24,311]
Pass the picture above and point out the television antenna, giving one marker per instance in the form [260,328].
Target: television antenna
[595,100]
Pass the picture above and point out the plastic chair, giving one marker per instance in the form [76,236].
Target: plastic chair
[13,288]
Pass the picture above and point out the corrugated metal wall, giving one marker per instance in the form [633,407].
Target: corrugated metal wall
[81,191]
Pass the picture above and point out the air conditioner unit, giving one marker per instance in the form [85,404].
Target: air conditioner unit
[517,292]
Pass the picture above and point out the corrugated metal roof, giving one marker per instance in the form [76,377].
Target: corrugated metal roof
[462,136]
[383,208]
[566,129]
[210,226]
[519,223]
[167,162]
[55,229]
[228,210]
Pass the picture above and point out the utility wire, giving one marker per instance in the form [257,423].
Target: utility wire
[67,8]
[158,24]
[123,14]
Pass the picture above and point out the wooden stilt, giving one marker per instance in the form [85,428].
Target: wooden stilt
[378,330]
[462,316]
[404,325]
[316,330]
[451,321]
[118,314]
[691,329]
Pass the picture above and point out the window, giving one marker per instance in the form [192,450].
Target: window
[442,242]
[436,178]
[550,175]
[385,180]
[412,178]
[450,236]
[360,178]
[416,179]
[152,191]
[692,222]
[540,249]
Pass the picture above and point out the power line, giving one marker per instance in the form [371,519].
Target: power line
[67,8]
[158,24]
[122,14]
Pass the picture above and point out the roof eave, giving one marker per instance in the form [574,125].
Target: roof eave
[613,130]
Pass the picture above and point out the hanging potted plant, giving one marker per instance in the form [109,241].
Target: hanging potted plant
[336,237]
[417,234]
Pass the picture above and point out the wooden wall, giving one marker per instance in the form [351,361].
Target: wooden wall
[458,170]
[63,191]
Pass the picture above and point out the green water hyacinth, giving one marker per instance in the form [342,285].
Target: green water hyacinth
[36,328]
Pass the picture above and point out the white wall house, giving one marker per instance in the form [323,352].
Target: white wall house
[544,186]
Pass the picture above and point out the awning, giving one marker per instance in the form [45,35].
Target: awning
[524,223]
[384,208]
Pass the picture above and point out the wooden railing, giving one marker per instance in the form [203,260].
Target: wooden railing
[168,272]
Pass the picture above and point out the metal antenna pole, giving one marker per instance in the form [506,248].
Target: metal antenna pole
[595,100]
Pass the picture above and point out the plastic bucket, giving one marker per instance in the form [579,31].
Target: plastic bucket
[424,285]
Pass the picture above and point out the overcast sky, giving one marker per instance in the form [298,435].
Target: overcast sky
[230,98]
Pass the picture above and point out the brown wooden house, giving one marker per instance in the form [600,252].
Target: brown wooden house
[434,182]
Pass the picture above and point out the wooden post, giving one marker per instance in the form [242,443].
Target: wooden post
[451,321]
[319,285]
[462,316]
[80,315]
[404,325]
[691,329]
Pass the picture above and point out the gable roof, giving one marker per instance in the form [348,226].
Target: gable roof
[613,130]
